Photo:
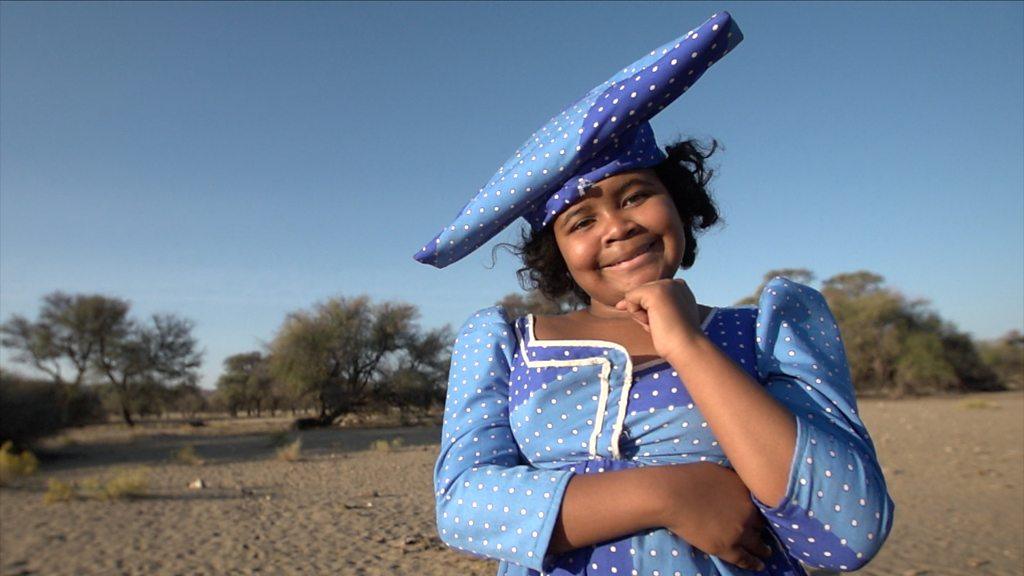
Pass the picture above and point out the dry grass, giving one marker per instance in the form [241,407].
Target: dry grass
[14,465]
[292,452]
[978,404]
[383,445]
[187,455]
[57,491]
[123,484]
[127,484]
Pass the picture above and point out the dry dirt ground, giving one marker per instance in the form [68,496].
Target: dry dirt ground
[955,467]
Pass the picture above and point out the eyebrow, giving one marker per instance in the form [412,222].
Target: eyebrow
[632,182]
[581,206]
[573,212]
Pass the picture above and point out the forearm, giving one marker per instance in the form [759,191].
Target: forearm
[757,433]
[609,505]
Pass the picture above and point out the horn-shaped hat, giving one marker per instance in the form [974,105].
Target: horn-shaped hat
[606,132]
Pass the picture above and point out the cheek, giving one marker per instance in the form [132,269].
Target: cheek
[671,228]
[577,253]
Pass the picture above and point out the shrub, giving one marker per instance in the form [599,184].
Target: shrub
[123,484]
[187,455]
[31,409]
[57,491]
[291,452]
[127,484]
[13,465]
[385,445]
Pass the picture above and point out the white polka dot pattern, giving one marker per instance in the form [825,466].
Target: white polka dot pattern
[489,502]
[837,511]
[523,415]
[604,133]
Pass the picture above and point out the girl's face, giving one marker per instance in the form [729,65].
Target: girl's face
[623,233]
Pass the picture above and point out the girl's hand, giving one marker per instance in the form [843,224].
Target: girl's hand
[724,522]
[666,309]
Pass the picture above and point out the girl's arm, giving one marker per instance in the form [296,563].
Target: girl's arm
[490,503]
[705,504]
[796,440]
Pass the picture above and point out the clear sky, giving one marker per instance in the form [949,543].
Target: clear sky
[235,162]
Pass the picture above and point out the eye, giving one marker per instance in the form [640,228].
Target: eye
[581,223]
[636,198]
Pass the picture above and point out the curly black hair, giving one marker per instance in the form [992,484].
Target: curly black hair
[686,178]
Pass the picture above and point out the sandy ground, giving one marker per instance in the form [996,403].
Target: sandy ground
[955,468]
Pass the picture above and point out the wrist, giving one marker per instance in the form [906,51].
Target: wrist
[688,345]
[667,485]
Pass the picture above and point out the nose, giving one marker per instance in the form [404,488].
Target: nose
[618,226]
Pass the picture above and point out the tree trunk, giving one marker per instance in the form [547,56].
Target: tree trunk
[127,415]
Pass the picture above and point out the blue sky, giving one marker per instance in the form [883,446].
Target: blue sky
[235,162]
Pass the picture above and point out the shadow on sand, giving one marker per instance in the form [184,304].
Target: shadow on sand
[214,449]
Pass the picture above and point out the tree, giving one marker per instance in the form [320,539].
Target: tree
[534,302]
[135,357]
[188,398]
[247,384]
[801,275]
[233,383]
[64,339]
[855,284]
[67,332]
[421,370]
[898,346]
[1005,357]
[337,351]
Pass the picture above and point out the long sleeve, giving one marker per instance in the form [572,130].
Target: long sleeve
[836,512]
[489,502]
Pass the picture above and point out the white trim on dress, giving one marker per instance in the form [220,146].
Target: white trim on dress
[602,403]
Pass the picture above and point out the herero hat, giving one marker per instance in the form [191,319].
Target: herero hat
[606,132]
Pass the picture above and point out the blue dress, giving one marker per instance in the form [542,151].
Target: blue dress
[524,415]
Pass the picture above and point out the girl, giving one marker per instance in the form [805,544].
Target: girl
[644,433]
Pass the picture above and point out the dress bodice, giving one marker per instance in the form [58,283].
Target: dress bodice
[573,400]
[523,416]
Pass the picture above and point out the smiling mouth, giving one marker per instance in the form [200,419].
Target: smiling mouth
[632,256]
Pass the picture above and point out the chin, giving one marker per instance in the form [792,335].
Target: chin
[639,278]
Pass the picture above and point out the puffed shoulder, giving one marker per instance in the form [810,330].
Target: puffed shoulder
[488,327]
[798,339]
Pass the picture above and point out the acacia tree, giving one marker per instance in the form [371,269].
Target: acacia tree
[899,346]
[65,335]
[246,383]
[337,351]
[801,275]
[1005,356]
[534,302]
[62,343]
[133,356]
[421,369]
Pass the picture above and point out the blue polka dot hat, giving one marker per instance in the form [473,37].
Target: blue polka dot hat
[606,132]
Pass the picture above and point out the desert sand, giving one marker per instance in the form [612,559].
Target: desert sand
[954,465]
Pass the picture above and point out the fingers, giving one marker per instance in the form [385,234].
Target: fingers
[753,538]
[744,559]
[635,310]
[641,317]
[757,547]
